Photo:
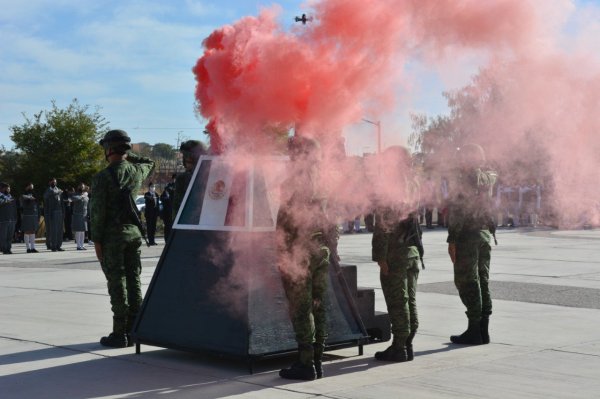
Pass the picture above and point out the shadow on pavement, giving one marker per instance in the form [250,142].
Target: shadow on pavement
[53,352]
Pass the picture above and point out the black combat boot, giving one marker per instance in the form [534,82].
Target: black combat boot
[304,368]
[484,325]
[318,359]
[114,340]
[117,338]
[472,336]
[409,347]
[396,352]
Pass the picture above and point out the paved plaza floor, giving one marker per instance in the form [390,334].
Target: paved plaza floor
[545,332]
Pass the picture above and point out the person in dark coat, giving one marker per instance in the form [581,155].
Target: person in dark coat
[8,218]
[151,211]
[29,218]
[80,202]
[53,216]
[166,198]
[67,212]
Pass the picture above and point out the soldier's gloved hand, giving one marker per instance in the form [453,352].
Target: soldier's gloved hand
[384,267]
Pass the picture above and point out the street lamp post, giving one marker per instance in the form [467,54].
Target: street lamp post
[378,124]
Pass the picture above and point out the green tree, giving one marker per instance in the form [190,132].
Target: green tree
[164,151]
[61,143]
[144,149]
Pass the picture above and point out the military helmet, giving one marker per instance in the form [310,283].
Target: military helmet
[191,151]
[116,139]
[192,148]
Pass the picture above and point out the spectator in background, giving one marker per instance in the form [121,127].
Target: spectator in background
[507,198]
[53,216]
[67,212]
[8,218]
[29,218]
[443,203]
[80,202]
[166,198]
[151,211]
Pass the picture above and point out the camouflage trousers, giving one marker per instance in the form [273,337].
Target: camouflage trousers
[399,290]
[306,299]
[122,267]
[472,275]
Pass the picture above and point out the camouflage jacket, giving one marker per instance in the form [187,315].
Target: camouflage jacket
[106,204]
[305,223]
[397,236]
[471,208]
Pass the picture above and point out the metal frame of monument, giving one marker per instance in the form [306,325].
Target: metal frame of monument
[180,310]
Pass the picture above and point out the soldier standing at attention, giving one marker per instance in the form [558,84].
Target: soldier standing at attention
[397,247]
[53,216]
[8,218]
[151,210]
[304,240]
[469,236]
[117,237]
[191,151]
[29,218]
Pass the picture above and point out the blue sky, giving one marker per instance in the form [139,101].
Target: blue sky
[133,59]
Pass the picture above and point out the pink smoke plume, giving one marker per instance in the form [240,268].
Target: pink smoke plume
[343,65]
[255,78]
[536,97]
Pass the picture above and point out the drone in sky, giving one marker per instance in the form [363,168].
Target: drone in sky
[304,19]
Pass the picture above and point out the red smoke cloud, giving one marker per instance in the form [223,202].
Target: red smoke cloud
[344,64]
[538,89]
[349,62]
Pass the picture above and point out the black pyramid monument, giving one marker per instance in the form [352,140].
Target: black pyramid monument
[217,287]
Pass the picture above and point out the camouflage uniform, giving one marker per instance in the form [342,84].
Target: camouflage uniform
[305,290]
[305,240]
[120,241]
[392,243]
[470,221]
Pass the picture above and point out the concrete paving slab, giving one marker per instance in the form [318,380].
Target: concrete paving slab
[55,307]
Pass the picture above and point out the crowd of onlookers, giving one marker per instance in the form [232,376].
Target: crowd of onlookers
[63,215]
[66,212]
[515,205]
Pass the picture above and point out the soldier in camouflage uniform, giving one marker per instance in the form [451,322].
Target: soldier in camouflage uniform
[469,235]
[117,238]
[304,242]
[191,151]
[397,248]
